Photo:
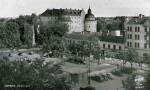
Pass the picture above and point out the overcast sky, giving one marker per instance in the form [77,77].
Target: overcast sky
[14,8]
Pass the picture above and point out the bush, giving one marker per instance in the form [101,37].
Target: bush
[20,54]
[109,76]
[30,53]
[126,70]
[76,60]
[117,73]
[97,78]
[88,88]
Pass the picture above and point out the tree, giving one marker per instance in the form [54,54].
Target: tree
[147,82]
[123,56]
[27,35]
[101,24]
[98,53]
[131,56]
[51,37]
[38,74]
[129,83]
[12,34]
[139,60]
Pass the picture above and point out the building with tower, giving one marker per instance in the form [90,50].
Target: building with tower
[90,24]
[76,19]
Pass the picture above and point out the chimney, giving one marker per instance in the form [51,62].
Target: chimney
[140,15]
[143,15]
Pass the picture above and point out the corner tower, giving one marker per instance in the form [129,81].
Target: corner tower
[90,22]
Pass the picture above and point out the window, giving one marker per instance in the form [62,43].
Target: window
[82,75]
[108,46]
[135,29]
[130,29]
[138,29]
[128,44]
[145,29]
[138,45]
[130,36]
[114,46]
[135,44]
[138,37]
[145,46]
[103,45]
[135,36]
[119,47]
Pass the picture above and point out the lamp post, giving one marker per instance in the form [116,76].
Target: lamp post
[89,81]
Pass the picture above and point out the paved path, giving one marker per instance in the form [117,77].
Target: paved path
[116,61]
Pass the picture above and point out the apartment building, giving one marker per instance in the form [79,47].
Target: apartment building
[138,34]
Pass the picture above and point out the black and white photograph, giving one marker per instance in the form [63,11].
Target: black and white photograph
[74,44]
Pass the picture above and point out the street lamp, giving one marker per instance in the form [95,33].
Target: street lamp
[89,81]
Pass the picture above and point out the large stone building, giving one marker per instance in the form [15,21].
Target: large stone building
[90,22]
[138,34]
[76,20]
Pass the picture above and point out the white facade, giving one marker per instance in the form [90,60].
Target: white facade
[75,19]
[112,45]
[115,33]
[138,37]
[91,26]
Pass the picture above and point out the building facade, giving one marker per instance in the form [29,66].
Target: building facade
[75,19]
[112,44]
[138,34]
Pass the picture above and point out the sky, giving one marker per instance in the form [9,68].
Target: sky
[100,8]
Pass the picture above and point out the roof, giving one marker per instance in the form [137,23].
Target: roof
[80,36]
[138,20]
[114,39]
[76,70]
[57,12]
[89,15]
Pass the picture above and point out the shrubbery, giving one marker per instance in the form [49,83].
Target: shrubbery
[20,54]
[126,70]
[88,88]
[117,73]
[76,60]
[101,78]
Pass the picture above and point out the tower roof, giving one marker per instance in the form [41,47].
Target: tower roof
[89,14]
